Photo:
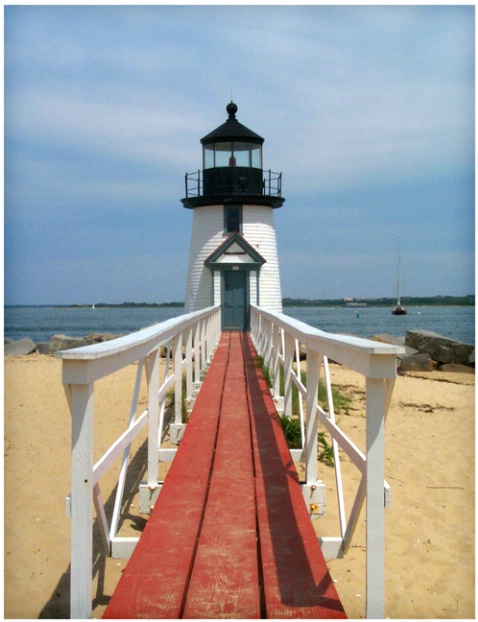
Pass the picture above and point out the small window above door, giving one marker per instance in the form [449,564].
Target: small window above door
[233,219]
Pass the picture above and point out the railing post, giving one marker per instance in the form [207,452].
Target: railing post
[209,339]
[288,358]
[265,341]
[203,345]
[178,378]
[276,341]
[197,355]
[375,472]
[313,364]
[82,410]
[152,375]
[189,366]
[256,328]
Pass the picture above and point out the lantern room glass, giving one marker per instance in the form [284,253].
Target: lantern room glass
[232,153]
[208,156]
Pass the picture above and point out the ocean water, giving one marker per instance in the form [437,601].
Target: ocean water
[41,323]
[454,322]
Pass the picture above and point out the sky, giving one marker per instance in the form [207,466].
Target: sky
[368,112]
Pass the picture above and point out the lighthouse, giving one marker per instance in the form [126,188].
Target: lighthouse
[233,251]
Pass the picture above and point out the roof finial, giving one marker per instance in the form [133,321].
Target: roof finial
[231,109]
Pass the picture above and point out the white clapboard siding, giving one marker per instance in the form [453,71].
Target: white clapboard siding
[208,233]
[259,231]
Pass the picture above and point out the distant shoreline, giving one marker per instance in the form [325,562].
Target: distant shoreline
[407,301]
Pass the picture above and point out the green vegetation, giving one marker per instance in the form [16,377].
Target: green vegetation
[171,400]
[291,426]
[291,429]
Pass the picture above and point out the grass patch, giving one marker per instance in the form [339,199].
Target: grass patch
[291,426]
[259,362]
[291,429]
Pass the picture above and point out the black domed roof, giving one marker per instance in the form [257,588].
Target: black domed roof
[232,130]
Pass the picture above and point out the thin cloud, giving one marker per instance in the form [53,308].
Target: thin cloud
[363,110]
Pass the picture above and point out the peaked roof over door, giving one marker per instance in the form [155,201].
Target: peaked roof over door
[235,250]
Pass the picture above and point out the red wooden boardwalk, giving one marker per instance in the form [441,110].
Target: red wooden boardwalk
[230,535]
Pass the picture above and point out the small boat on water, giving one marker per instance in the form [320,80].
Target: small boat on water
[399,309]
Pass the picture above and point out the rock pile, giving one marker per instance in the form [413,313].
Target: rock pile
[426,351]
[57,342]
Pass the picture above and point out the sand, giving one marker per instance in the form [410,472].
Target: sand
[429,464]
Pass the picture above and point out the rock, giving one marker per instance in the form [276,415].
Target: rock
[63,342]
[100,337]
[456,368]
[440,348]
[20,346]
[391,339]
[416,362]
[44,347]
[395,341]
[7,340]
[163,351]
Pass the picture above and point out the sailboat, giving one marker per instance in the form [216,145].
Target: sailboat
[399,309]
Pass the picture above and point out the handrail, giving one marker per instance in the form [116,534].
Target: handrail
[271,182]
[278,339]
[189,337]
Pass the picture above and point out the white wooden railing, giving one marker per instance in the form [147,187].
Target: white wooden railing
[193,337]
[279,339]
[187,338]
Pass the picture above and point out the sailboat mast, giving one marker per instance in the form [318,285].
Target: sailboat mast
[398,273]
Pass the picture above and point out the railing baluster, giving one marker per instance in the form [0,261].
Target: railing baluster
[313,369]
[197,355]
[124,465]
[178,378]
[203,345]
[152,375]
[189,366]
[288,356]
[163,400]
[301,405]
[102,520]
[335,448]
[276,363]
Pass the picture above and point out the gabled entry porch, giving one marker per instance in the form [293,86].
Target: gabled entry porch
[235,267]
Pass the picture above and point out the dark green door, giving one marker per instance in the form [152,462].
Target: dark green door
[234,300]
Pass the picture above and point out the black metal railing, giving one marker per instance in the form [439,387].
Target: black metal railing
[233,180]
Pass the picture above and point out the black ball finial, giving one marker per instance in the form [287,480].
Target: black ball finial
[231,110]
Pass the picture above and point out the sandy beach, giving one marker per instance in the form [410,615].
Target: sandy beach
[430,452]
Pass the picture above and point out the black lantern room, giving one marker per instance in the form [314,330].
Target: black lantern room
[232,169]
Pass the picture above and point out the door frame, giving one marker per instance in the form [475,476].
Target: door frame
[247,301]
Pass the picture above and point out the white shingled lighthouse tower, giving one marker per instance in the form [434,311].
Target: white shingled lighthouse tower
[233,254]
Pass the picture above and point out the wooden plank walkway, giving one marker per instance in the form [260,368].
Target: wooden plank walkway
[230,535]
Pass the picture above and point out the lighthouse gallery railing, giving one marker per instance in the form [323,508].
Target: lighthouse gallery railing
[193,337]
[271,182]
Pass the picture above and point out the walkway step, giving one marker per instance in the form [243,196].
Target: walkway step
[230,535]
